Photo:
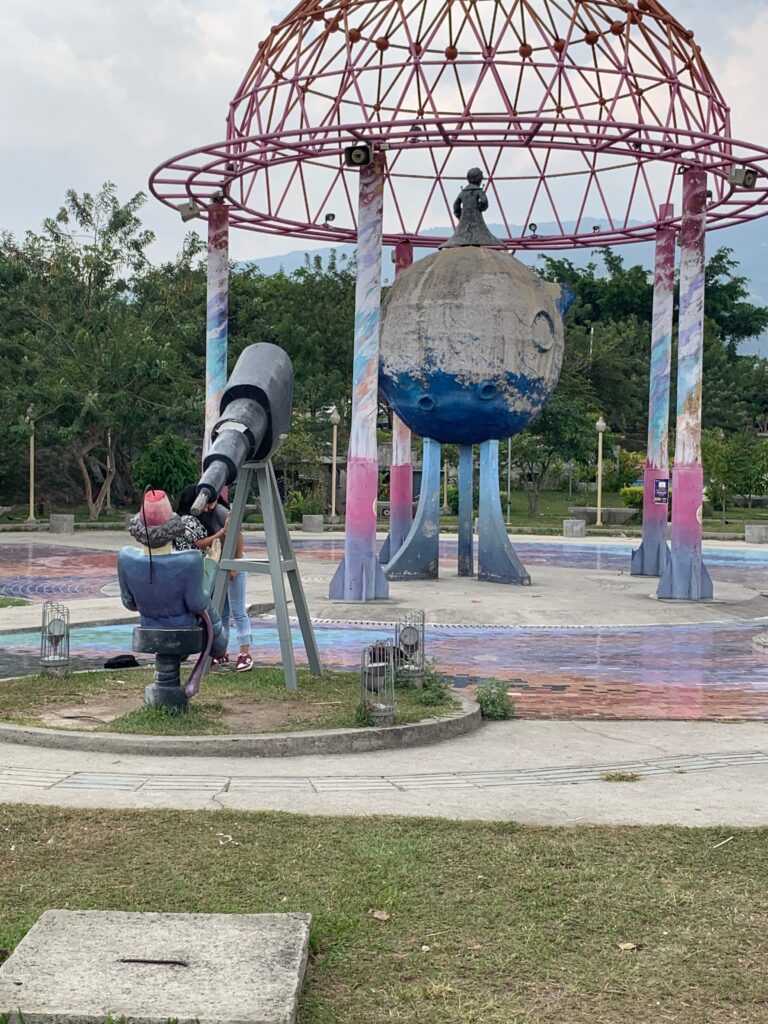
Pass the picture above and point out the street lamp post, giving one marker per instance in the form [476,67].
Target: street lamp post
[600,427]
[31,420]
[335,421]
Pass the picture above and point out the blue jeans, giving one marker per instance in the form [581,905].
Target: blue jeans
[235,608]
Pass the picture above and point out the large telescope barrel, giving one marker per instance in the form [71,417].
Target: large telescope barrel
[255,415]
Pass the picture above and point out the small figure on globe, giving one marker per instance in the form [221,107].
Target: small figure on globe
[472,340]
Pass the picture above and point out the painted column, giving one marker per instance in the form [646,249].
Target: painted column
[359,576]
[217,315]
[401,470]
[685,577]
[650,559]
[466,502]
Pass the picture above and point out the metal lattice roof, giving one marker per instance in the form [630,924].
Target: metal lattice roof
[581,113]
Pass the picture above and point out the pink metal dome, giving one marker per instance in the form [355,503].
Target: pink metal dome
[580,112]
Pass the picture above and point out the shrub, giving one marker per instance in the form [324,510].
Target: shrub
[299,505]
[632,497]
[168,463]
[434,688]
[494,701]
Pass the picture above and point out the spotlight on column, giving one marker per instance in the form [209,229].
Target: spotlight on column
[329,219]
[358,156]
[743,177]
[533,228]
[188,210]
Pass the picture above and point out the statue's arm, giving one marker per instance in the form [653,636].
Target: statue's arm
[196,596]
[457,208]
[125,591]
[482,201]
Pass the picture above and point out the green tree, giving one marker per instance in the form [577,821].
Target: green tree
[562,433]
[78,346]
[167,463]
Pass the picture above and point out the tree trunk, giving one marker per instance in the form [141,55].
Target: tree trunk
[95,504]
[533,498]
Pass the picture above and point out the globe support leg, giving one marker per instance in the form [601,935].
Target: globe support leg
[497,560]
[466,503]
[419,557]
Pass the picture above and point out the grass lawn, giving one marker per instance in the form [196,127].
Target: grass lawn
[488,923]
[12,602]
[553,509]
[226,704]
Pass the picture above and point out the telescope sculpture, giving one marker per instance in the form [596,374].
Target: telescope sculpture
[177,596]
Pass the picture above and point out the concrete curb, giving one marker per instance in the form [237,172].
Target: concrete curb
[296,744]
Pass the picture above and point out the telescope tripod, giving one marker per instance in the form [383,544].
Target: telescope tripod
[280,562]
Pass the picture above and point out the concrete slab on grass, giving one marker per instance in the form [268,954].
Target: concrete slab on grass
[78,967]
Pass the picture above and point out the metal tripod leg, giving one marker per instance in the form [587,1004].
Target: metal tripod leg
[269,511]
[294,579]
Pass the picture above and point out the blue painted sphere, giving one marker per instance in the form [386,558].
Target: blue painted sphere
[471,345]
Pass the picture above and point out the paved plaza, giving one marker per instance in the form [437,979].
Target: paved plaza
[585,641]
[570,648]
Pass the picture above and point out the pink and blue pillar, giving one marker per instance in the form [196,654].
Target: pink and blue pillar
[359,576]
[401,470]
[685,577]
[217,315]
[650,559]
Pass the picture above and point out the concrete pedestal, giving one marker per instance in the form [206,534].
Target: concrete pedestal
[756,534]
[220,968]
[312,524]
[574,528]
[62,523]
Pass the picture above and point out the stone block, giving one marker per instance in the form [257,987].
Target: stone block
[574,528]
[84,966]
[61,523]
[756,534]
[312,524]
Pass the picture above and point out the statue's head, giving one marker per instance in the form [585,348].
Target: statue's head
[155,524]
[475,176]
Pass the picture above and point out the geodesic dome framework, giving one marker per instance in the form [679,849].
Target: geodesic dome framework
[580,112]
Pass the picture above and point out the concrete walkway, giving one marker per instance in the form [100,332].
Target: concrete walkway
[547,773]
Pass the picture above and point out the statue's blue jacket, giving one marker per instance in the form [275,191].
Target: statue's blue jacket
[177,595]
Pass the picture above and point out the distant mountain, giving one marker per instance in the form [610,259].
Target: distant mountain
[749,243]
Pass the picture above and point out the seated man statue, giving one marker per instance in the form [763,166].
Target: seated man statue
[170,589]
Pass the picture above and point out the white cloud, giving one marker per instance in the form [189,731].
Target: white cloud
[743,79]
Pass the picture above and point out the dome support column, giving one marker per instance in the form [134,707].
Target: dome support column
[359,576]
[685,577]
[217,315]
[401,470]
[650,559]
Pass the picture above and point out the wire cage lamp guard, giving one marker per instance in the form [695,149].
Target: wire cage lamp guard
[54,638]
[377,682]
[410,653]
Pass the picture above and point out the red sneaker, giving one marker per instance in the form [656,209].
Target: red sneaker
[244,663]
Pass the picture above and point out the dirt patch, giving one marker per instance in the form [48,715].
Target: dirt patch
[90,713]
[242,716]
[238,714]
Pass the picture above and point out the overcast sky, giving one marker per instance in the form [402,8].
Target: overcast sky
[92,90]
